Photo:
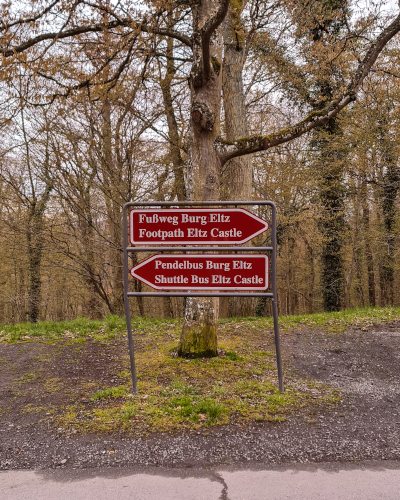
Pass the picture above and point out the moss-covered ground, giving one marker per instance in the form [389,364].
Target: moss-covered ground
[75,375]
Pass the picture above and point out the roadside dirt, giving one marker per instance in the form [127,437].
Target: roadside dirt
[364,364]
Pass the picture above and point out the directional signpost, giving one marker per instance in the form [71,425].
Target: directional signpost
[183,227]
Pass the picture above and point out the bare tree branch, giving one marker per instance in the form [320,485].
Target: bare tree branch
[29,19]
[254,144]
[206,33]
[92,29]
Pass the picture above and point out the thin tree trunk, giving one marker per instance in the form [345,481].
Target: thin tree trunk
[175,157]
[311,279]
[35,252]
[113,186]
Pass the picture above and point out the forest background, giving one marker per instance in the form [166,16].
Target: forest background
[91,121]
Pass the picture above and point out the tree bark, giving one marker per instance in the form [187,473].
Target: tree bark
[367,245]
[311,279]
[237,176]
[332,221]
[113,200]
[199,332]
[35,253]
[175,157]
[391,179]
[35,244]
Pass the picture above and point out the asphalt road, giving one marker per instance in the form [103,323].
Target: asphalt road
[330,481]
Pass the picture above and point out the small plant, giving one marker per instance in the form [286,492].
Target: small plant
[181,387]
[212,409]
[128,412]
[233,356]
[27,377]
[112,392]
[206,411]
[115,322]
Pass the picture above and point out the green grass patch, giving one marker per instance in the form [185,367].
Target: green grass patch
[112,327]
[335,321]
[26,378]
[127,412]
[112,392]
[207,411]
[233,356]
[80,329]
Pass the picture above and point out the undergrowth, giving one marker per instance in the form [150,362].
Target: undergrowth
[83,328]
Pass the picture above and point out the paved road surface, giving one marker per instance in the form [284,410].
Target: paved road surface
[362,481]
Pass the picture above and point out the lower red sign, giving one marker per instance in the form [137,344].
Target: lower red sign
[204,272]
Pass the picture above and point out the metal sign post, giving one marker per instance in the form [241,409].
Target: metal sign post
[216,229]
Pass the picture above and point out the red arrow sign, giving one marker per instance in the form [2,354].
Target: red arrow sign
[204,272]
[197,226]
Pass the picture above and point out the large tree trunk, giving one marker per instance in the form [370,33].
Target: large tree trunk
[35,240]
[237,177]
[199,332]
[332,218]
[332,228]
[390,189]
[367,245]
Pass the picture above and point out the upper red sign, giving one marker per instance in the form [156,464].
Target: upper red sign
[196,226]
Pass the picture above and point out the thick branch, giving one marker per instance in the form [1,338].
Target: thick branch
[92,29]
[254,144]
[207,31]
[169,33]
